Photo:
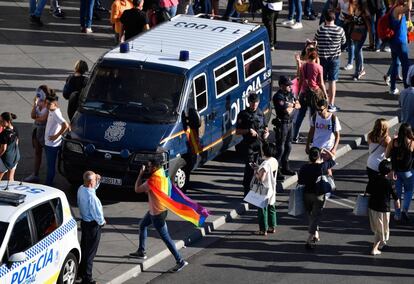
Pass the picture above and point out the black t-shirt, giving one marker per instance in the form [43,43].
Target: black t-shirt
[380,190]
[12,155]
[74,84]
[309,173]
[133,21]
[280,102]
[247,119]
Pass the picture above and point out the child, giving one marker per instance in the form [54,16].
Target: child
[380,189]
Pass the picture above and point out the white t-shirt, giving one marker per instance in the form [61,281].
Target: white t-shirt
[53,126]
[323,136]
[275,6]
[270,166]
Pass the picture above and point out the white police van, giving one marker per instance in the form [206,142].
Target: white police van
[38,235]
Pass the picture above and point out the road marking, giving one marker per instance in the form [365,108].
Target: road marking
[340,203]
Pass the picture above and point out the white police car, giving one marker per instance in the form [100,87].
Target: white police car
[38,235]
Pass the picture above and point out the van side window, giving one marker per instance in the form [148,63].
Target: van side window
[20,238]
[45,220]
[254,61]
[226,77]
[200,92]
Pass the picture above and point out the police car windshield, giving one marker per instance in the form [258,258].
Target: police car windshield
[135,93]
[3,230]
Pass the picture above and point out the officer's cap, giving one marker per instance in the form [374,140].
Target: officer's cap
[253,97]
[283,80]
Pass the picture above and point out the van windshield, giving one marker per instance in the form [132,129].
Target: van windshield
[134,93]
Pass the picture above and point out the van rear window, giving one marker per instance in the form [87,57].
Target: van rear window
[134,93]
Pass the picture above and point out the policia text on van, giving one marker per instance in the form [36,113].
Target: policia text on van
[149,103]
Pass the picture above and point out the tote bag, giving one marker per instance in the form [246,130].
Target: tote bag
[258,194]
[361,205]
[296,205]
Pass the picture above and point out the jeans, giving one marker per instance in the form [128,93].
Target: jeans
[91,235]
[397,65]
[349,43]
[36,7]
[308,8]
[313,206]
[399,51]
[301,115]
[158,221]
[86,13]
[330,68]
[283,135]
[172,11]
[54,4]
[51,157]
[266,217]
[295,6]
[359,58]
[269,19]
[374,23]
[406,180]
[230,11]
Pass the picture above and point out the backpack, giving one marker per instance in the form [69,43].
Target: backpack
[333,120]
[384,30]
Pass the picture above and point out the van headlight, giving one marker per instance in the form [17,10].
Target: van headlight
[74,147]
[145,157]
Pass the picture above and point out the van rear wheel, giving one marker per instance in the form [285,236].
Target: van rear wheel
[69,270]
[180,175]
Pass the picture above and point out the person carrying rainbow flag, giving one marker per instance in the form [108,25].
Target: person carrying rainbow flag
[164,196]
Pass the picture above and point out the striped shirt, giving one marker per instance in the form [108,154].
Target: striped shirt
[330,39]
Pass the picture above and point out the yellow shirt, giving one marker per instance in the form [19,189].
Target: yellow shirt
[117,8]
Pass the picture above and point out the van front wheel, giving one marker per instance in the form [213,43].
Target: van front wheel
[69,270]
[180,175]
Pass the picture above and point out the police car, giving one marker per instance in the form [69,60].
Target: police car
[38,235]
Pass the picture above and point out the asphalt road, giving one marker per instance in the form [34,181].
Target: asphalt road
[234,255]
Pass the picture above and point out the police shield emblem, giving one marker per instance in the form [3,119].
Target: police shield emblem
[115,132]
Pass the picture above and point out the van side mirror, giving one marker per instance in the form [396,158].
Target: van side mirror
[194,120]
[17,257]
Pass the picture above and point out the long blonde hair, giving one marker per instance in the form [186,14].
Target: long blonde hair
[379,131]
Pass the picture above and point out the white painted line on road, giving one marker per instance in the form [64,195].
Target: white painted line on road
[340,203]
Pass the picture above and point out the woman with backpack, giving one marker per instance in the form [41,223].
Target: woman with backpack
[314,201]
[400,150]
[378,140]
[9,146]
[311,88]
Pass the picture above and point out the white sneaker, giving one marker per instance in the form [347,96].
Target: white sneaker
[297,26]
[32,178]
[349,67]
[288,22]
[394,92]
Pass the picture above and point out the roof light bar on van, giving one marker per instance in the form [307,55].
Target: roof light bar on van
[124,47]
[12,198]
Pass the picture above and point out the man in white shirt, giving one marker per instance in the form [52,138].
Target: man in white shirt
[324,130]
[56,126]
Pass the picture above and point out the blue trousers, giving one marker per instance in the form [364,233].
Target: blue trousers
[51,157]
[86,13]
[36,7]
[399,51]
[295,6]
[158,221]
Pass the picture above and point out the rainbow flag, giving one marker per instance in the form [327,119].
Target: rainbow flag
[176,201]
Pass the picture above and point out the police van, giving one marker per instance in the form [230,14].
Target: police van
[38,235]
[172,93]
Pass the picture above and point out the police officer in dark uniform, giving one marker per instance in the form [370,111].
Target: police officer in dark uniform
[285,104]
[252,124]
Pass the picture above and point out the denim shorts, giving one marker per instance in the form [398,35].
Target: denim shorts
[330,68]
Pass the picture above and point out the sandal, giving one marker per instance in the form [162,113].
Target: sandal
[261,233]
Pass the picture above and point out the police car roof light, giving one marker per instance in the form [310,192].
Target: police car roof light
[12,198]
[184,55]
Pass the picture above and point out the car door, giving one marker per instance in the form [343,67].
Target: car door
[21,240]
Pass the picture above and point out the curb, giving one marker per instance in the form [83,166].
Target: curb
[199,233]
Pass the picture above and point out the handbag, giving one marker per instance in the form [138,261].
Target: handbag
[296,204]
[357,34]
[361,205]
[324,184]
[257,194]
